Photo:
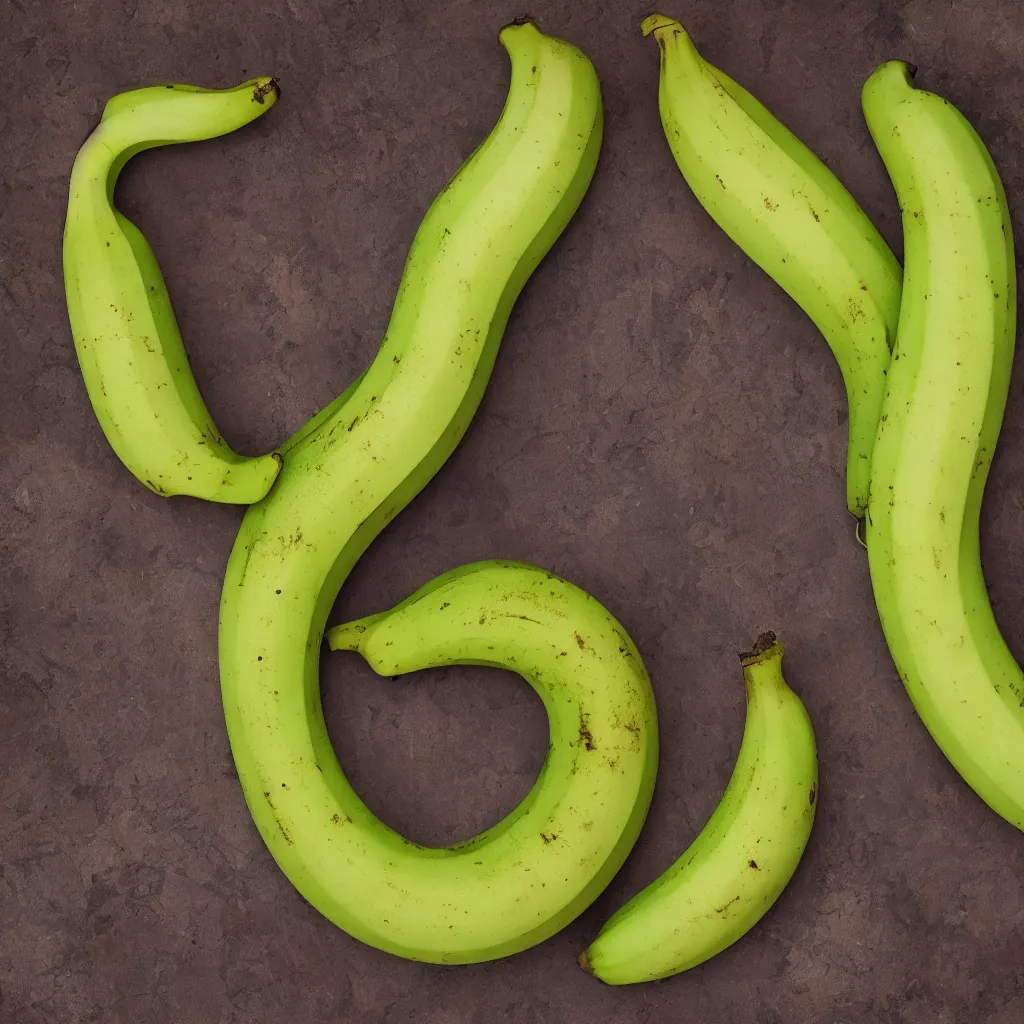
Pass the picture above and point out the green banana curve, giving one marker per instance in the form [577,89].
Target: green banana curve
[533,872]
[363,459]
[943,410]
[133,362]
[744,857]
[793,217]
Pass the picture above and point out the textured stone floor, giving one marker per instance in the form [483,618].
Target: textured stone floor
[663,427]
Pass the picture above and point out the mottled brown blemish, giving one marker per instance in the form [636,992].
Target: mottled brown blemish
[753,864]
[548,837]
[765,641]
[586,737]
[812,796]
[579,641]
[261,92]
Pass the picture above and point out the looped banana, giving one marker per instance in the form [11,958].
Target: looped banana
[129,348]
[350,472]
[943,410]
[744,857]
[533,872]
[792,216]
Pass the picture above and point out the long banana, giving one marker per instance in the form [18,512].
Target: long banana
[943,409]
[532,873]
[129,348]
[745,855]
[791,215]
[352,471]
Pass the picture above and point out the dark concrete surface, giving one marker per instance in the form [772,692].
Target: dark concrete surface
[663,426]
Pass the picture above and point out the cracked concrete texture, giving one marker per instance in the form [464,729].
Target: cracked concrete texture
[663,427]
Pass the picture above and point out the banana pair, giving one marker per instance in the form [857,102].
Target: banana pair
[923,427]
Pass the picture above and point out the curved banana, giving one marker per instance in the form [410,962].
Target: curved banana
[744,856]
[791,215]
[533,872]
[943,409]
[347,476]
[129,348]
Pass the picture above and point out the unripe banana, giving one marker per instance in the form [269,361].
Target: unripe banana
[943,409]
[738,866]
[791,215]
[129,348]
[528,876]
[347,475]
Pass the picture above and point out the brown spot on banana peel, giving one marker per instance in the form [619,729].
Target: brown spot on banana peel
[586,738]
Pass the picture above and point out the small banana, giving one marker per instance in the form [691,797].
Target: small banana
[528,876]
[791,215]
[943,410]
[346,475]
[129,348]
[745,855]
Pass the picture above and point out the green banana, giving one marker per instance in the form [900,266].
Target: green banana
[129,348]
[745,855]
[528,876]
[791,215]
[347,475]
[943,410]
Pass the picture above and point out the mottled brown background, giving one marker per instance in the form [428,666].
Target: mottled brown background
[663,426]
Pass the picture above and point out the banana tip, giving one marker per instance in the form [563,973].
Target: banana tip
[264,89]
[521,22]
[584,961]
[763,646]
[653,22]
[345,637]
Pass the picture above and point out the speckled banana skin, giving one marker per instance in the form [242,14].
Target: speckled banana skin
[129,348]
[794,218]
[347,475]
[744,857]
[942,414]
